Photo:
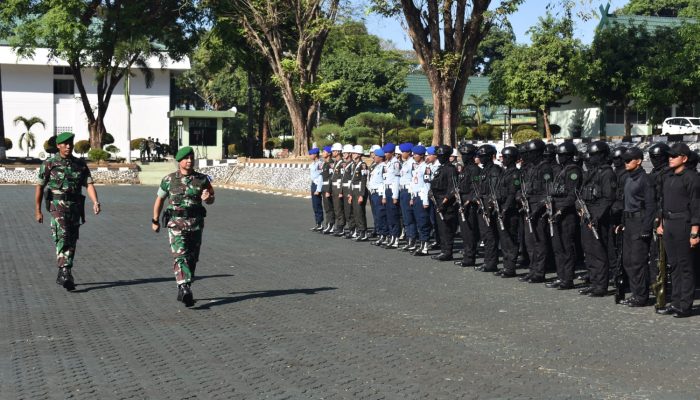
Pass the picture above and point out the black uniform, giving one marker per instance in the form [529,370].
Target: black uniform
[681,210]
[507,188]
[638,220]
[338,195]
[443,187]
[488,181]
[327,193]
[657,175]
[535,178]
[616,212]
[469,227]
[598,191]
[563,191]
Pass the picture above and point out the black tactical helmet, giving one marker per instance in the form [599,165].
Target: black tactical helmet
[659,150]
[443,150]
[550,149]
[510,152]
[467,149]
[598,147]
[486,150]
[567,148]
[619,151]
[536,145]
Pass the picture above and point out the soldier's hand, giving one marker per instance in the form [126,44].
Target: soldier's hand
[410,202]
[360,200]
[694,243]
[155,228]
[39,217]
[660,230]
[317,193]
[328,194]
[96,208]
[383,200]
[395,201]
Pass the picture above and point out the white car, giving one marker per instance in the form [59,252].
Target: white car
[680,126]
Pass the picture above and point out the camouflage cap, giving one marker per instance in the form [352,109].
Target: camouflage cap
[64,137]
[183,152]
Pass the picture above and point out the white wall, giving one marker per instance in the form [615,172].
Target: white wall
[565,115]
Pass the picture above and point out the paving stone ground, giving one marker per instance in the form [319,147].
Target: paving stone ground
[284,313]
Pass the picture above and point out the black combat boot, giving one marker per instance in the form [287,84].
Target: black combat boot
[338,232]
[348,234]
[442,257]
[316,228]
[434,246]
[410,245]
[65,278]
[328,230]
[393,244]
[422,250]
[362,236]
[379,242]
[184,294]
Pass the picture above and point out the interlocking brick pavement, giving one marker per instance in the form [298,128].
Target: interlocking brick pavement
[284,313]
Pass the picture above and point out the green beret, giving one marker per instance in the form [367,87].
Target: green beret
[64,137]
[183,152]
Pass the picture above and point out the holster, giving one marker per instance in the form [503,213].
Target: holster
[166,218]
[48,196]
[81,207]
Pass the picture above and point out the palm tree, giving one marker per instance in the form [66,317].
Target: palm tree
[28,137]
[478,101]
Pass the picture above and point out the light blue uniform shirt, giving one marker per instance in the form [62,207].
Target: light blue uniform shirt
[316,169]
[419,187]
[406,173]
[392,175]
[375,183]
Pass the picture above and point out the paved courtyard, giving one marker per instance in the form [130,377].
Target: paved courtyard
[284,313]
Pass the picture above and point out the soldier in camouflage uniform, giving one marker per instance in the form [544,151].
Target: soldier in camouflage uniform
[185,190]
[64,176]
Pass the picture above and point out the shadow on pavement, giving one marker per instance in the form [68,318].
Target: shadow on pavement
[241,296]
[106,285]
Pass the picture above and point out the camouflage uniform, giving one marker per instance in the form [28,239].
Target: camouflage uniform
[64,179]
[185,215]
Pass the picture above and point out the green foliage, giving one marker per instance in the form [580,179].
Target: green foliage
[366,142]
[112,149]
[368,77]
[524,127]
[492,48]
[487,132]
[269,145]
[8,143]
[525,135]
[81,147]
[50,145]
[408,135]
[425,136]
[327,132]
[27,137]
[663,8]
[107,138]
[287,144]
[98,155]
[136,143]
[464,132]
[231,149]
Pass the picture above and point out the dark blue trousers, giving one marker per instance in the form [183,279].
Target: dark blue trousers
[409,220]
[378,214]
[393,214]
[317,205]
[422,216]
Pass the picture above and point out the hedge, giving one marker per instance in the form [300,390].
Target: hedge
[525,135]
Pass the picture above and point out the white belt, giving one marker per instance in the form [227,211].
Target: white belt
[374,191]
[346,185]
[326,182]
[356,186]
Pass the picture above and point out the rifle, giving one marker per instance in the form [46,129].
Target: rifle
[458,198]
[585,214]
[619,277]
[494,200]
[525,205]
[480,204]
[549,210]
[659,286]
[437,206]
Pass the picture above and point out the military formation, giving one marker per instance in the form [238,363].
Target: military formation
[543,207]
[60,182]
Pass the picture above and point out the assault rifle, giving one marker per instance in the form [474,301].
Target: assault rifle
[619,276]
[480,204]
[585,214]
[437,206]
[659,286]
[549,210]
[494,200]
[458,198]
[525,205]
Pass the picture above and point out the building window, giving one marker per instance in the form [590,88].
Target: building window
[60,129]
[202,131]
[63,86]
[615,115]
[62,71]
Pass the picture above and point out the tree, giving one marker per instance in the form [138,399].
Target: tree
[2,124]
[107,36]
[663,8]
[27,137]
[538,75]
[493,48]
[291,35]
[371,78]
[82,146]
[479,101]
[446,35]
[381,123]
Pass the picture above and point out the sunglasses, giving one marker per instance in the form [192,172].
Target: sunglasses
[674,155]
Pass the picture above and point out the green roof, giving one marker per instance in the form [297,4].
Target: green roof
[651,23]
[419,93]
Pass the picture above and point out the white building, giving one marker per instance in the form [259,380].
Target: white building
[44,88]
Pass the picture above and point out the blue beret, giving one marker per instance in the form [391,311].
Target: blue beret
[379,152]
[389,147]
[420,150]
[430,150]
[406,147]
[313,151]
[327,149]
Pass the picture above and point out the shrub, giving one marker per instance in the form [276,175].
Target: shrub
[8,143]
[136,143]
[327,132]
[81,147]
[425,136]
[287,144]
[269,145]
[112,149]
[98,155]
[50,145]
[465,132]
[107,138]
[408,135]
[366,142]
[555,129]
[525,135]
[523,127]
[487,132]
[231,149]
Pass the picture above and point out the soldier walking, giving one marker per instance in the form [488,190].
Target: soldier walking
[185,191]
[64,176]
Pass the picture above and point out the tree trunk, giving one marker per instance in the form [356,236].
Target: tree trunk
[2,123]
[250,142]
[547,129]
[263,123]
[445,116]
[97,130]
[626,121]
